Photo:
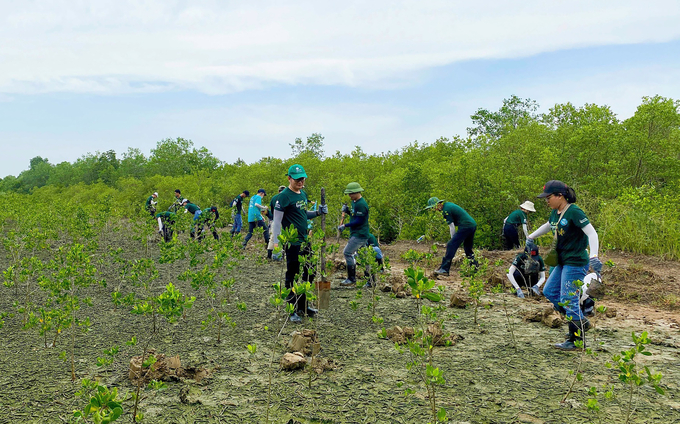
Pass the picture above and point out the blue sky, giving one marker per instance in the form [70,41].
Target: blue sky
[245,80]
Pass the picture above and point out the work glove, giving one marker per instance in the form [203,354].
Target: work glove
[596,264]
[323,210]
[345,208]
[520,294]
[341,227]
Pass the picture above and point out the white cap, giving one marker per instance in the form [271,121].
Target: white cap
[155,193]
[528,206]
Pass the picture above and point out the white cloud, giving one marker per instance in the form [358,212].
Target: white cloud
[113,47]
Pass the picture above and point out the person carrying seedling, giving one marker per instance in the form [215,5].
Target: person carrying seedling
[196,211]
[358,230]
[166,222]
[290,209]
[455,217]
[270,216]
[151,204]
[569,259]
[237,210]
[255,218]
[527,270]
[512,222]
[208,218]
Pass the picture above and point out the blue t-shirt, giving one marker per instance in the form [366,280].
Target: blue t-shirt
[254,213]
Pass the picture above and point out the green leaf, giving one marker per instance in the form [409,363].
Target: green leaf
[433,297]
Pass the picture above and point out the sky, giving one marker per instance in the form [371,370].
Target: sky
[244,79]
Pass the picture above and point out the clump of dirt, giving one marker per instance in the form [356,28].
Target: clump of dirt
[401,335]
[634,283]
[396,283]
[459,300]
[321,364]
[292,361]
[304,342]
[166,368]
[548,316]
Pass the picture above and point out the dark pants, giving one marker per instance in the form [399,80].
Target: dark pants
[511,237]
[251,228]
[295,255]
[525,280]
[464,236]
[211,227]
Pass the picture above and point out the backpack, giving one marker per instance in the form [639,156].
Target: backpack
[530,266]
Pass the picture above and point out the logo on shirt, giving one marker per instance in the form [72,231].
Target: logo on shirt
[300,204]
[563,222]
[583,220]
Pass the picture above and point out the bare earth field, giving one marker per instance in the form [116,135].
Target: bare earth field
[488,380]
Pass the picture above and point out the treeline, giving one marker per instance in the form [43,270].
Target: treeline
[626,174]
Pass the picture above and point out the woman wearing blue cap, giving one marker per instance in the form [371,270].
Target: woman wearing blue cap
[573,232]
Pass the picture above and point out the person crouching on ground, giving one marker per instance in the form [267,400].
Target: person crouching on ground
[208,218]
[573,232]
[196,211]
[291,210]
[527,270]
[455,217]
[358,231]
[513,221]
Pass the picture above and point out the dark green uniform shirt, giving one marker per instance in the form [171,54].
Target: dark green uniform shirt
[239,204]
[571,240]
[192,208]
[520,263]
[294,208]
[517,218]
[372,241]
[270,212]
[148,203]
[360,210]
[457,215]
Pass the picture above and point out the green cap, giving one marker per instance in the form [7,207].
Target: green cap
[432,202]
[296,171]
[353,188]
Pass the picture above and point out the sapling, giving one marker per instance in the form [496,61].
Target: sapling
[104,405]
[499,289]
[473,281]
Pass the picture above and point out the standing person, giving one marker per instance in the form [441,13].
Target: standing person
[291,210]
[208,218]
[196,211]
[528,270]
[270,216]
[177,205]
[255,218]
[455,217]
[358,231]
[237,210]
[573,232]
[151,203]
[513,221]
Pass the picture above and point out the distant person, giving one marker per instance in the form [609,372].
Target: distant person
[528,271]
[178,204]
[151,204]
[237,210]
[456,217]
[513,221]
[270,216]
[358,230]
[166,224]
[255,218]
[291,210]
[572,232]
[208,218]
[196,211]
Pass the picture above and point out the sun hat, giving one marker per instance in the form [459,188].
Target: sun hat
[296,171]
[553,187]
[528,206]
[155,193]
[432,202]
[353,188]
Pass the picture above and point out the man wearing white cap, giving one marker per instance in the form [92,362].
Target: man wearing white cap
[513,221]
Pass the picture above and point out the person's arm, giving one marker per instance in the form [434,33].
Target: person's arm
[355,221]
[593,240]
[452,229]
[543,229]
[526,231]
[276,228]
[541,279]
[511,277]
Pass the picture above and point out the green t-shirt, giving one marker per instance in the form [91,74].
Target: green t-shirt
[372,241]
[272,203]
[360,210]
[148,202]
[457,215]
[571,240]
[517,218]
[192,208]
[238,204]
[294,208]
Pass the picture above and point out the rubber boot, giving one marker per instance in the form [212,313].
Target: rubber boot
[576,333]
[351,279]
[269,253]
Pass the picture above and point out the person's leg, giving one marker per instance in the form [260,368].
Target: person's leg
[238,224]
[468,244]
[511,237]
[553,286]
[265,229]
[570,293]
[353,244]
[292,270]
[251,228]
[451,248]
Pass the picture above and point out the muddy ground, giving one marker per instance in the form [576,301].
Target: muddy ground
[488,380]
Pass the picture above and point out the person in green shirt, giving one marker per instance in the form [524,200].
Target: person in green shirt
[290,209]
[237,210]
[358,231]
[465,234]
[270,216]
[177,205]
[166,223]
[573,232]
[528,270]
[196,211]
[208,218]
[151,204]
[512,222]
